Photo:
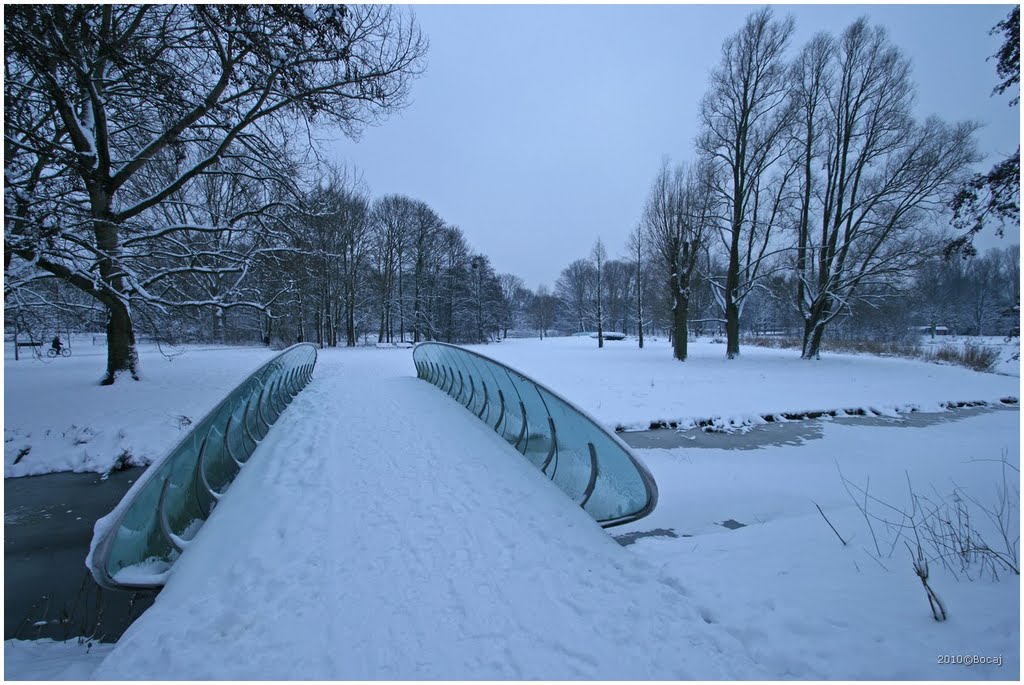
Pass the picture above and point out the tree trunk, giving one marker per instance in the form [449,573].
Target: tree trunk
[416,312]
[401,302]
[732,330]
[350,321]
[218,325]
[122,354]
[813,352]
[805,347]
[639,309]
[732,279]
[814,328]
[680,314]
[732,310]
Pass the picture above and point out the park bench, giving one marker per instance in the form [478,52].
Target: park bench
[18,344]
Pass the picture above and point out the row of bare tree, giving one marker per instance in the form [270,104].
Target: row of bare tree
[391,267]
[812,166]
[976,296]
[815,194]
[154,154]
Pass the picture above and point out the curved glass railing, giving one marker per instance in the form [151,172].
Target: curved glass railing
[590,465]
[135,545]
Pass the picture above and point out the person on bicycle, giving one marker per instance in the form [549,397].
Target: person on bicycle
[56,344]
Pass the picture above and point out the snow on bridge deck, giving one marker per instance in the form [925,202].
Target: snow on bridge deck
[382,532]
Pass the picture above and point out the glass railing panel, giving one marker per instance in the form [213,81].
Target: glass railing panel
[588,463]
[569,467]
[537,439]
[460,379]
[619,488]
[138,542]
[137,537]
[511,418]
[208,447]
[486,404]
[444,368]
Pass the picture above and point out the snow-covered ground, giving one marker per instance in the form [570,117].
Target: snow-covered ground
[803,604]
[380,531]
[626,387]
[58,418]
[52,660]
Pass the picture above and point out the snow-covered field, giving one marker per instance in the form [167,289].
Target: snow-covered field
[52,660]
[803,604]
[626,387]
[58,418]
[381,531]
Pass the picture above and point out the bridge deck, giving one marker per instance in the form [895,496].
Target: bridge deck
[380,531]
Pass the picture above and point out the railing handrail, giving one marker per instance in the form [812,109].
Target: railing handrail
[645,475]
[107,527]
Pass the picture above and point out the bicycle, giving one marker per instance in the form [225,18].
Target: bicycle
[64,352]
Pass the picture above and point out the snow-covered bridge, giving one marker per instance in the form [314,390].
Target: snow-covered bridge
[380,530]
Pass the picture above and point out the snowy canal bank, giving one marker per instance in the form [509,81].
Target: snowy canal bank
[633,389]
[58,418]
[382,532]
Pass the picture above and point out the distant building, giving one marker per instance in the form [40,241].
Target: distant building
[933,330]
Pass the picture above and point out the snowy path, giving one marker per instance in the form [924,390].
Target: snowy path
[381,532]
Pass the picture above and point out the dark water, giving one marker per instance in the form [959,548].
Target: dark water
[48,592]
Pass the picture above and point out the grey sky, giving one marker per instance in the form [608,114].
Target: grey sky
[537,129]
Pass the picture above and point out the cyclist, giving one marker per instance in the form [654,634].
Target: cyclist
[56,344]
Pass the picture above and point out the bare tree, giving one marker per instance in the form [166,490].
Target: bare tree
[427,227]
[873,180]
[110,110]
[574,290]
[334,242]
[542,310]
[512,296]
[637,249]
[677,219]
[744,115]
[618,280]
[985,304]
[394,220]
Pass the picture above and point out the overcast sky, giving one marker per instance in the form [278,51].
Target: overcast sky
[537,129]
